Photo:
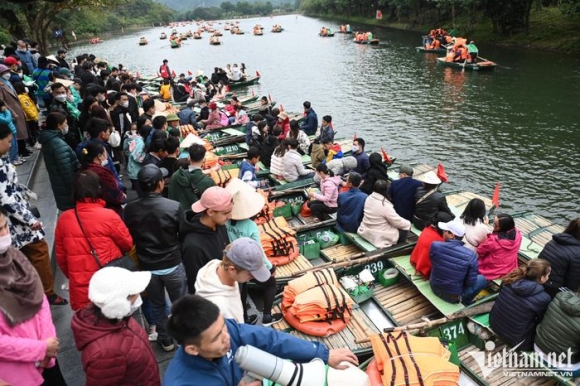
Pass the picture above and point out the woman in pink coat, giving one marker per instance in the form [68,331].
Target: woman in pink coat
[498,255]
[327,200]
[28,343]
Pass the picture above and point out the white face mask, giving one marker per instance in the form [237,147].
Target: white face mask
[125,104]
[60,97]
[135,306]
[6,75]
[105,162]
[5,243]
[65,130]
[355,149]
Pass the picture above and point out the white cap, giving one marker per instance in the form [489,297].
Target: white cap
[455,226]
[110,286]
[430,178]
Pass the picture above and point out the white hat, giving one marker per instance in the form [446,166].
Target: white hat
[110,286]
[455,226]
[247,202]
[52,58]
[430,178]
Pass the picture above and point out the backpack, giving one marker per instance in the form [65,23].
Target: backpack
[224,119]
[163,72]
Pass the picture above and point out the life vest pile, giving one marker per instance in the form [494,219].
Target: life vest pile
[279,241]
[223,176]
[316,304]
[267,213]
[404,359]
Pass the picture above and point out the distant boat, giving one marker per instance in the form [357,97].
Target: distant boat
[163,36]
[143,42]
[479,66]
[374,41]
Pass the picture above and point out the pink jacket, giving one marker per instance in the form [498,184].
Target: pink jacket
[22,346]
[497,257]
[329,192]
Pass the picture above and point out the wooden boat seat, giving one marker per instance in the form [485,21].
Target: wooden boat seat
[360,242]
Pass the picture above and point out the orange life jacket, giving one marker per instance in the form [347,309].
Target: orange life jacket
[223,177]
[405,359]
[279,241]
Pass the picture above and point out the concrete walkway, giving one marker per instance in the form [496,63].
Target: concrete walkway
[33,173]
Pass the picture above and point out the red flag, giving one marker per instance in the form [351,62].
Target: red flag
[495,198]
[227,88]
[257,73]
[441,173]
[355,137]
[270,98]
[173,74]
[137,75]
[189,73]
[253,93]
[386,157]
[281,107]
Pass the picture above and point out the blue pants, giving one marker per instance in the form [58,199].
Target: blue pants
[13,153]
[471,292]
[175,284]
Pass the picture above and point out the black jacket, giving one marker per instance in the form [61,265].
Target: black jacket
[133,108]
[377,171]
[563,253]
[120,119]
[199,245]
[153,222]
[517,311]
[268,147]
[427,209]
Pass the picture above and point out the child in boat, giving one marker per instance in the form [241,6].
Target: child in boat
[521,304]
[420,256]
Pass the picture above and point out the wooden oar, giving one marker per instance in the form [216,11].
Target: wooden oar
[497,64]
[473,311]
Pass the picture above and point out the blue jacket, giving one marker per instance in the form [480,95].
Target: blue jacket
[350,212]
[310,124]
[187,116]
[188,370]
[454,267]
[27,59]
[402,194]
[517,311]
[245,167]
[362,163]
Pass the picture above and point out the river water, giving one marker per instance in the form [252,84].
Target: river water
[517,125]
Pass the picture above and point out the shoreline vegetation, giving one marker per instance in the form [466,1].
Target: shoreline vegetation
[549,30]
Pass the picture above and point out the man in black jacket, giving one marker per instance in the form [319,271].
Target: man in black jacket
[203,231]
[153,222]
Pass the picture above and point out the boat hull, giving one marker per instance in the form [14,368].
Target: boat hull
[373,42]
[249,81]
[481,66]
[430,51]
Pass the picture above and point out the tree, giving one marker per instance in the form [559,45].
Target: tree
[227,7]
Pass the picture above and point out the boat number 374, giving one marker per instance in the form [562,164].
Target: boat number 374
[453,331]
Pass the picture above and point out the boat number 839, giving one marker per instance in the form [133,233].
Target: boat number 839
[375,267]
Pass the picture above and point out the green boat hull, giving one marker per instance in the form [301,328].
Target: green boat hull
[250,80]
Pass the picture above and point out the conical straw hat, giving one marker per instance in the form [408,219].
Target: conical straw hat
[247,202]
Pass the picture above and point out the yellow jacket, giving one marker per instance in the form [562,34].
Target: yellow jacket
[29,107]
[165,92]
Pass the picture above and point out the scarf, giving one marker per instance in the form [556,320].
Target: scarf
[21,293]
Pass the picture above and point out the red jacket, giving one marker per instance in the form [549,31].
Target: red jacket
[114,353]
[420,256]
[109,236]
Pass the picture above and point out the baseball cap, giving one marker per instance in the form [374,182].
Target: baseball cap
[455,226]
[247,254]
[214,198]
[110,286]
[10,61]
[406,169]
[151,174]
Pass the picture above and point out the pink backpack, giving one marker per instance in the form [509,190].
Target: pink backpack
[224,119]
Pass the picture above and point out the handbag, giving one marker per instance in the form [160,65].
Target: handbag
[124,261]
[115,139]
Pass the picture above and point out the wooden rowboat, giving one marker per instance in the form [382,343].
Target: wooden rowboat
[430,51]
[250,80]
[373,42]
[479,66]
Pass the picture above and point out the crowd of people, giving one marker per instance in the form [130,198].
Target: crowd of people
[198,243]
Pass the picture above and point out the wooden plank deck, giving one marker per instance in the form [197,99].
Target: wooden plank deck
[497,376]
[404,303]
[288,270]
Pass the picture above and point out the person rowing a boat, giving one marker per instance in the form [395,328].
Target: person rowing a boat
[208,344]
[473,51]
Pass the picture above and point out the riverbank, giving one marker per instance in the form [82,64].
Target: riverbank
[550,30]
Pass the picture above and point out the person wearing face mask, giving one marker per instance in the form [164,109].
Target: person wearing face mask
[115,348]
[61,105]
[29,345]
[133,108]
[362,158]
[95,158]
[61,161]
[120,113]
[26,229]
[10,97]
